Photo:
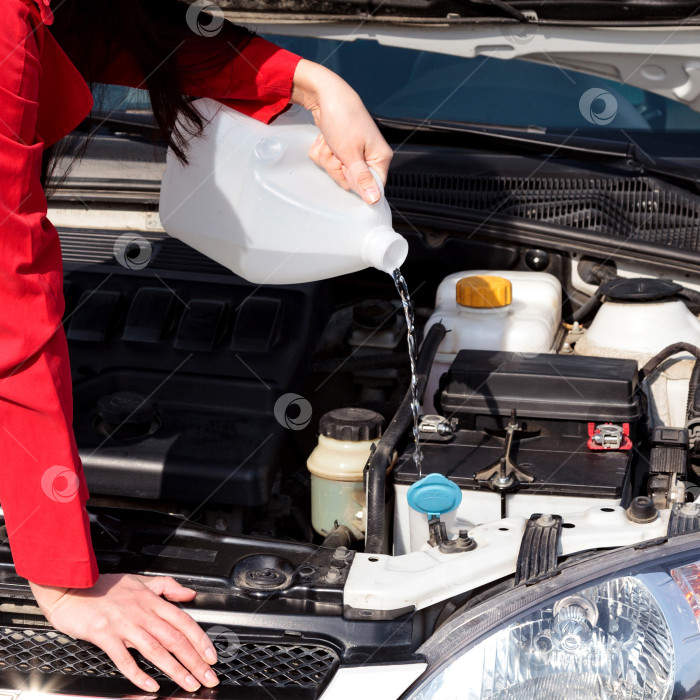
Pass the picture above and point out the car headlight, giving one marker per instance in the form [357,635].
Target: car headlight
[629,630]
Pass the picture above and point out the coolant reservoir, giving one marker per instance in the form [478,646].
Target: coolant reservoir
[641,316]
[514,311]
[252,200]
[337,465]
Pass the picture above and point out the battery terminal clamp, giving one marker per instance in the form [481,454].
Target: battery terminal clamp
[434,428]
[609,436]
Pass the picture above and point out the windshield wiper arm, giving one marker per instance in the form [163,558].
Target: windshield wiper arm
[583,147]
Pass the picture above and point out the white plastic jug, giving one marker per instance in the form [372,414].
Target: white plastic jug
[252,200]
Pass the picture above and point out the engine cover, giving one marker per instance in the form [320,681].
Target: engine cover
[184,382]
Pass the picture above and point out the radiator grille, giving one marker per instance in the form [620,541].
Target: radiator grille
[639,209]
[266,665]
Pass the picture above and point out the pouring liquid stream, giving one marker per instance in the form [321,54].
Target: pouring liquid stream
[402,289]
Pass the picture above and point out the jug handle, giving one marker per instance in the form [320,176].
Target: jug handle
[378,180]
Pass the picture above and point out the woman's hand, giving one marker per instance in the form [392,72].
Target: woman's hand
[123,610]
[350,142]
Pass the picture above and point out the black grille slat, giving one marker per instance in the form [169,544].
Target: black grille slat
[630,208]
[256,664]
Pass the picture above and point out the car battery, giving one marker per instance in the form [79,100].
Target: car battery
[576,418]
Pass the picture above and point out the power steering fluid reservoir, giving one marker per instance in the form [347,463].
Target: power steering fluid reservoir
[509,310]
[346,436]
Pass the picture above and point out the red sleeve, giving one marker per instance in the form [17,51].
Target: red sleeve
[255,80]
[42,488]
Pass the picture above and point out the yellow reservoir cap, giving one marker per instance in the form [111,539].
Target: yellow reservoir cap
[484,292]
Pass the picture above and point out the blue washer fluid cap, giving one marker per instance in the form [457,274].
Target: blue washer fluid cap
[434,495]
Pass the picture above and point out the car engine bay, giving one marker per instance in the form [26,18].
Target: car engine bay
[255,442]
[201,395]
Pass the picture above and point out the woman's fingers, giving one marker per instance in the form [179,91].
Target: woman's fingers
[152,649]
[197,638]
[315,149]
[125,663]
[168,587]
[177,631]
[361,180]
[184,654]
[322,155]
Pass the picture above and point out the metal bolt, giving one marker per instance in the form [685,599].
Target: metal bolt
[341,553]
[690,509]
[464,534]
[444,429]
[333,575]
[545,520]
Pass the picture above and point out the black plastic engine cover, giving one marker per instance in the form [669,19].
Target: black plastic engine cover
[202,360]
[555,398]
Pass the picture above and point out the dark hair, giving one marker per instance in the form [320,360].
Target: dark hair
[155,32]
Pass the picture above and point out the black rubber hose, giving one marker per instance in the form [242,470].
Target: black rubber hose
[693,407]
[604,274]
[691,299]
[592,305]
[380,459]
[671,350]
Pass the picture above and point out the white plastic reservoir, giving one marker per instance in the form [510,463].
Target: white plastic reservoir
[346,437]
[513,311]
[639,331]
[643,328]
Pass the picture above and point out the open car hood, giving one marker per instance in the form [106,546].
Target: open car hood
[585,11]
[650,44]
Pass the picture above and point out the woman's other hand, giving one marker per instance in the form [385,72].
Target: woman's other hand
[124,610]
[350,142]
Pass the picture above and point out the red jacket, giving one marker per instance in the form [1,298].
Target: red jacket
[42,98]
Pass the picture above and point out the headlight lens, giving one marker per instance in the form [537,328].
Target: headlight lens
[607,641]
[629,635]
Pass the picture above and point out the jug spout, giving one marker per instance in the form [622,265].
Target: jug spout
[384,249]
